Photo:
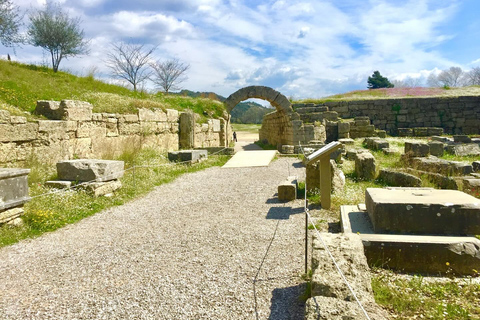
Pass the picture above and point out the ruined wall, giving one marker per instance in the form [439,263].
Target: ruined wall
[79,133]
[455,115]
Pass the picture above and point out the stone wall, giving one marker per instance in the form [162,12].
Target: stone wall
[455,115]
[76,132]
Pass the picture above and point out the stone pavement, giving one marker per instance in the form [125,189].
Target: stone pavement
[248,154]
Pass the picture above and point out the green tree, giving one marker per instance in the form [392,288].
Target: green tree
[53,30]
[378,81]
[10,21]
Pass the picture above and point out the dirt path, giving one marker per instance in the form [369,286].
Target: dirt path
[190,249]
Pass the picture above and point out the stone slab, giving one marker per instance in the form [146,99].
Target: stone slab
[423,211]
[98,189]
[287,189]
[412,253]
[13,187]
[84,170]
[58,184]
[244,159]
[11,214]
[188,155]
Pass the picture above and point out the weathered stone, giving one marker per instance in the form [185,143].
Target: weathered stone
[188,155]
[438,179]
[98,189]
[381,133]
[343,127]
[187,130]
[330,308]
[476,166]
[287,189]
[10,215]
[421,211]
[338,177]
[4,116]
[18,132]
[462,139]
[365,166]
[436,148]
[50,109]
[13,187]
[468,149]
[417,149]
[75,110]
[389,151]
[288,149]
[440,139]
[399,179]
[346,141]
[59,184]
[405,132]
[86,170]
[352,153]
[18,120]
[172,115]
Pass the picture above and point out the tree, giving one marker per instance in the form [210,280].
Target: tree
[451,77]
[473,76]
[378,81]
[10,20]
[130,62]
[169,74]
[53,30]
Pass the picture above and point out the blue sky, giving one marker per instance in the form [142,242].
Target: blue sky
[304,49]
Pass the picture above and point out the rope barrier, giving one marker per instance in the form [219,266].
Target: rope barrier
[307,213]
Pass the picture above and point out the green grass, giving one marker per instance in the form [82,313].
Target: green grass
[52,211]
[251,128]
[412,297]
[22,85]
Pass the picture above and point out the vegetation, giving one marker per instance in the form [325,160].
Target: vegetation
[145,169]
[10,20]
[249,112]
[251,128]
[22,85]
[168,75]
[53,30]
[377,81]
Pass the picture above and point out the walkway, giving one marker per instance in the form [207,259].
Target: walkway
[248,154]
[190,249]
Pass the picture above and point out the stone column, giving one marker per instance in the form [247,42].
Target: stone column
[187,130]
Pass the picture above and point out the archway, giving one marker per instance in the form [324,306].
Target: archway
[278,100]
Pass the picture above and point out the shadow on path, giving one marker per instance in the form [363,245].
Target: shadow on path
[287,304]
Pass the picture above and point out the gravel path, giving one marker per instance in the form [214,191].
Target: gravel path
[190,249]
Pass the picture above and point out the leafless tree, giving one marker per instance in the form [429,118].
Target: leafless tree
[408,82]
[473,76]
[169,74]
[130,62]
[451,77]
[432,80]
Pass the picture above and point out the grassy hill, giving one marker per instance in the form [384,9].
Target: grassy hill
[21,85]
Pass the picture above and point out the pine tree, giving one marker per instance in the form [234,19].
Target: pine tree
[378,81]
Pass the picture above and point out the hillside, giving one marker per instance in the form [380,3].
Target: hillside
[22,85]
[249,112]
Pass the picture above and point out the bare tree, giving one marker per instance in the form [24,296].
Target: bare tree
[432,80]
[408,82]
[169,74]
[130,62]
[451,77]
[53,30]
[10,21]
[473,76]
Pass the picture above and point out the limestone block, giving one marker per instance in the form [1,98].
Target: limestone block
[464,149]
[188,155]
[361,123]
[288,149]
[97,117]
[472,186]
[434,131]
[11,214]
[405,132]
[389,151]
[17,119]
[343,127]
[4,116]
[351,154]
[50,109]
[365,166]
[130,118]
[8,152]
[173,115]
[216,125]
[338,177]
[151,115]
[462,139]
[381,133]
[13,187]
[476,166]
[58,184]
[417,149]
[287,190]
[399,179]
[422,211]
[420,132]
[84,170]
[436,148]
[76,110]
[18,132]
[128,128]
[98,189]
[71,126]
[330,308]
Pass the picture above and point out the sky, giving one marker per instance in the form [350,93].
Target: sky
[303,49]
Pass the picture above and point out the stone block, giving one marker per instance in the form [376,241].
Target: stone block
[381,133]
[436,148]
[422,211]
[464,149]
[59,184]
[389,151]
[288,149]
[76,110]
[462,139]
[472,186]
[399,179]
[85,170]
[287,190]
[346,141]
[17,120]
[405,132]
[4,116]
[365,167]
[13,187]
[188,155]
[417,149]
[434,131]
[50,109]
[172,115]
[98,189]
[11,216]
[18,132]
[440,139]
[150,115]
[476,166]
[352,153]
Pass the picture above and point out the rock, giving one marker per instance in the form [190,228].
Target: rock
[476,166]
[399,179]
[13,187]
[288,149]
[436,148]
[188,155]
[287,190]
[405,132]
[10,215]
[389,151]
[417,149]
[75,110]
[84,170]
[98,189]
[365,166]
[440,139]
[346,141]
[462,139]
[468,149]
[338,178]
[58,184]
[472,187]
[352,153]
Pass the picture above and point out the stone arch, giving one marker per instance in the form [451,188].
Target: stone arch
[278,100]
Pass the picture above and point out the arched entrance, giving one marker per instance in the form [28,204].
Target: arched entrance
[278,100]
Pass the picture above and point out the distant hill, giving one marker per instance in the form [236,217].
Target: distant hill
[244,112]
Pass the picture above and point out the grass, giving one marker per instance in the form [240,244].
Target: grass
[251,128]
[21,85]
[398,93]
[50,212]
[414,297]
